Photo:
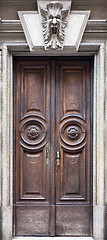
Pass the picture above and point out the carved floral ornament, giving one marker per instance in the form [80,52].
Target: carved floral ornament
[73,132]
[54,22]
[33,132]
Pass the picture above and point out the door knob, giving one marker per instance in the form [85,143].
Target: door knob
[58,158]
[47,153]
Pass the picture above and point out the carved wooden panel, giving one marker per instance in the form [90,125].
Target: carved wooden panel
[33,97]
[31,134]
[73,174]
[32,220]
[73,133]
[32,131]
[52,104]
[76,220]
[31,177]
[72,91]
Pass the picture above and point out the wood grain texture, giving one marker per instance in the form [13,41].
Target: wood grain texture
[32,220]
[76,220]
[74,123]
[73,176]
[53,150]
[53,104]
[31,181]
[31,133]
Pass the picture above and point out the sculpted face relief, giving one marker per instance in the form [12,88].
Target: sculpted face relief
[54,22]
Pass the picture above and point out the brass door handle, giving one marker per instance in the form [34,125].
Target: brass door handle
[58,158]
[47,153]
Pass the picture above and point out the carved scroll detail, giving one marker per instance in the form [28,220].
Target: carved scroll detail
[54,22]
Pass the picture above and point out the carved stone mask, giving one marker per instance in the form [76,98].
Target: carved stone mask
[54,23]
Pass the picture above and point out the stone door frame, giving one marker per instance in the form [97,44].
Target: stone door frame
[6,167]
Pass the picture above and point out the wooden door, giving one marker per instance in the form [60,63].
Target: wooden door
[52,147]
[74,135]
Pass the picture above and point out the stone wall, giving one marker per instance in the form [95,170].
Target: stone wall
[8,10]
[0,144]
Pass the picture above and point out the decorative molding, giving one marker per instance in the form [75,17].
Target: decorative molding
[32,3]
[22,49]
[33,106]
[54,22]
[32,132]
[15,25]
[51,238]
[91,2]
[0,121]
[34,40]
[72,132]
[73,35]
[96,26]
[76,28]
[98,138]
[10,26]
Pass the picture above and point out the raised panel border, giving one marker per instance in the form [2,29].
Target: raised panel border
[38,195]
[81,195]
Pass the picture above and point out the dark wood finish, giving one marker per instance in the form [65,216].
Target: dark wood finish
[32,220]
[53,104]
[32,128]
[76,220]
[53,150]
[73,177]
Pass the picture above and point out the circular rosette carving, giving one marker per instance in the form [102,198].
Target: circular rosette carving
[72,132]
[32,132]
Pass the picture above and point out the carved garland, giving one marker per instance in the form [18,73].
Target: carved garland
[54,23]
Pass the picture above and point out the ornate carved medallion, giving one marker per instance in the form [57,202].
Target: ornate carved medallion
[32,132]
[72,132]
[54,22]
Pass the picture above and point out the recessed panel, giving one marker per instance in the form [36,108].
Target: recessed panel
[32,221]
[32,176]
[72,91]
[73,221]
[35,91]
[73,176]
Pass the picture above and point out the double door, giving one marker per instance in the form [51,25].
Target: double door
[52,147]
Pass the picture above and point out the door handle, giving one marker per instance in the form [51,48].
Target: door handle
[58,158]
[47,153]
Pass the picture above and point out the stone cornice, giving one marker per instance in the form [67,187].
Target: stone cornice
[93,26]
[11,26]
[91,2]
[24,2]
[97,26]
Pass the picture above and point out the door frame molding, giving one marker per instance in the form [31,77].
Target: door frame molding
[6,167]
